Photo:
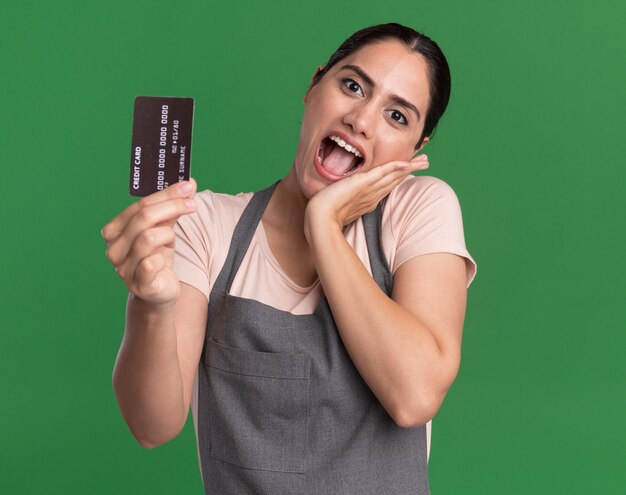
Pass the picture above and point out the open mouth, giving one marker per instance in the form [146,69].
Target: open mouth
[338,157]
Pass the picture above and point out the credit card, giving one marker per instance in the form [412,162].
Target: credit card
[161,145]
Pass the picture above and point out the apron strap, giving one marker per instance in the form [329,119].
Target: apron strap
[242,236]
[372,223]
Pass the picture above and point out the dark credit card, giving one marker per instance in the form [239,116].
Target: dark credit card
[161,149]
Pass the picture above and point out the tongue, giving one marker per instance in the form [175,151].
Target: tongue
[338,161]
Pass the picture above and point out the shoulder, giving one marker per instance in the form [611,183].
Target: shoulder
[214,220]
[423,215]
[422,200]
[420,191]
[215,209]
[210,200]
[203,237]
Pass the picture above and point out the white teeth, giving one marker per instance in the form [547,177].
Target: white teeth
[345,145]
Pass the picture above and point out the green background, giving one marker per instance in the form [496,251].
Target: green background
[532,143]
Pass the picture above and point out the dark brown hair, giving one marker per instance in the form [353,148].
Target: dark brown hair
[438,74]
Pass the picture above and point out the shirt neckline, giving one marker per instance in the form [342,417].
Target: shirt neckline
[261,238]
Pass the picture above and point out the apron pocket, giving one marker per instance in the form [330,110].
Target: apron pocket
[258,408]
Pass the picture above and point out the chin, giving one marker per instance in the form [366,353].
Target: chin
[308,183]
[311,188]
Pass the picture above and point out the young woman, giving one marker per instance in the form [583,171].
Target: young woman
[317,328]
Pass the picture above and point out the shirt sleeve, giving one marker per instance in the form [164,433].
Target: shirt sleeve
[193,244]
[426,218]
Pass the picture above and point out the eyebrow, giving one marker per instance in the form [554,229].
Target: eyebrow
[370,82]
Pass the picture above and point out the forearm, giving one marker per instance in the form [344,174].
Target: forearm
[393,350]
[147,378]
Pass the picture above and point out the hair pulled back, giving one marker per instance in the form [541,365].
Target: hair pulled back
[438,70]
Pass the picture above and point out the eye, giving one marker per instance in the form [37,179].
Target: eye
[398,117]
[351,85]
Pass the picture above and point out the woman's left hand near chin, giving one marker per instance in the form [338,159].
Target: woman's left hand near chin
[346,200]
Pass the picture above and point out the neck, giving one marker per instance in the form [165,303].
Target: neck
[287,205]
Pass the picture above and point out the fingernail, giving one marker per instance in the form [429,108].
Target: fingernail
[190,203]
[186,187]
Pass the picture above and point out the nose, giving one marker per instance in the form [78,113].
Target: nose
[361,118]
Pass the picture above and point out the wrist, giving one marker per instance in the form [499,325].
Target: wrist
[319,224]
[151,310]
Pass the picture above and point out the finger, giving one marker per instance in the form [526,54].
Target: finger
[379,181]
[147,218]
[147,271]
[415,162]
[420,162]
[398,171]
[383,189]
[374,190]
[168,223]
[146,244]
[393,172]
[155,281]
[179,190]
[396,166]
[420,157]
[388,183]
[116,226]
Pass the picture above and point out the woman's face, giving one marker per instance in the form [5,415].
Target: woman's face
[375,101]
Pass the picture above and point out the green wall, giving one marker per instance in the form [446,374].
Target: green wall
[532,143]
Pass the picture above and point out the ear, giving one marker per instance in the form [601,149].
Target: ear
[317,71]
